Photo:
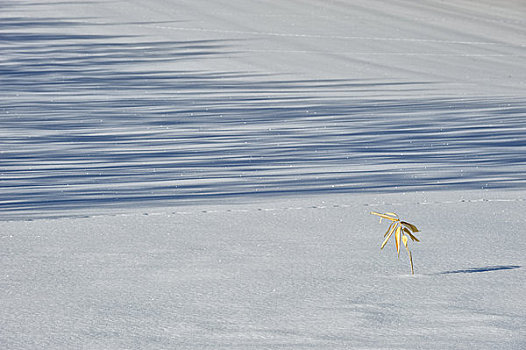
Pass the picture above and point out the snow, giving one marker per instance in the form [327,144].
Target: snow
[199,175]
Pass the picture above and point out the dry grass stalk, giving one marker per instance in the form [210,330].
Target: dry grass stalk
[401,230]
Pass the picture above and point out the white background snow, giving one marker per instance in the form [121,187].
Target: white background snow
[199,174]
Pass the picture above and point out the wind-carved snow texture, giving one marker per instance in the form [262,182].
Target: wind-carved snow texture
[100,112]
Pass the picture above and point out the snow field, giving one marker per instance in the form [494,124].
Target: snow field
[199,175]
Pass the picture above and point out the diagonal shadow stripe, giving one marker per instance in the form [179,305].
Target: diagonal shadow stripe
[481,269]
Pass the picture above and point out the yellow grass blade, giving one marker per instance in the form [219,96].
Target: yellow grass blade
[412,236]
[392,214]
[406,231]
[404,240]
[411,226]
[397,238]
[390,228]
[384,216]
[388,236]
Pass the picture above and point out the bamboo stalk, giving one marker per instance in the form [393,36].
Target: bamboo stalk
[411,260]
[399,229]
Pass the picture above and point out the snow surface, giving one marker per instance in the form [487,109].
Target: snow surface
[199,175]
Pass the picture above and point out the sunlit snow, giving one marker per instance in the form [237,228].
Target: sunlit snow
[199,174]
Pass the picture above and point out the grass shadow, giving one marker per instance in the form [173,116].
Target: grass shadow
[481,269]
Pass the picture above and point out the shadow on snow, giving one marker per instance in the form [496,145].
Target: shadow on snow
[481,269]
[107,120]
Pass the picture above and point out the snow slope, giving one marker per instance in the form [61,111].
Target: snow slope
[134,103]
[198,175]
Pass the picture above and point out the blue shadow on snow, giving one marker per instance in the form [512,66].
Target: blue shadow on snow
[92,121]
[481,269]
